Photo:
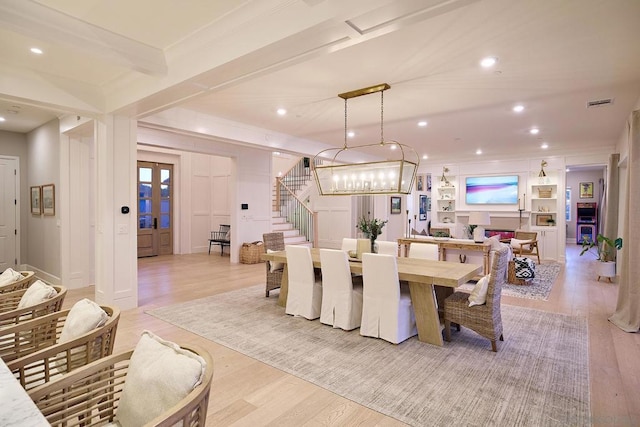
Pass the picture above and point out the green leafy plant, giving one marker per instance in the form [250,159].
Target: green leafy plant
[605,247]
[371,228]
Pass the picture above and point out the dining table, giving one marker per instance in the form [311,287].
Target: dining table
[422,276]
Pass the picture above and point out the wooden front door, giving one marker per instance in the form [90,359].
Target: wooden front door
[155,208]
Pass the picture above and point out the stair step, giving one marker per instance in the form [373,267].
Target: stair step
[281,226]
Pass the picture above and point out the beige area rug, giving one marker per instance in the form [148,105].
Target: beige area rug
[539,377]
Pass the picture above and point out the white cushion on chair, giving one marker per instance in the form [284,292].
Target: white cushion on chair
[10,276]
[160,374]
[515,243]
[36,293]
[479,294]
[274,266]
[84,316]
[423,251]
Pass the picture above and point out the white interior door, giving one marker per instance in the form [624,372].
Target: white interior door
[8,212]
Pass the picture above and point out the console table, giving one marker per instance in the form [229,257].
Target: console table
[443,245]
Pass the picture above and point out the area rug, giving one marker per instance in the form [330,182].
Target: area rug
[538,377]
[539,289]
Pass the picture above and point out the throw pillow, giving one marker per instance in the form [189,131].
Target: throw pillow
[479,294]
[524,268]
[274,266]
[36,293]
[515,243]
[160,374]
[10,276]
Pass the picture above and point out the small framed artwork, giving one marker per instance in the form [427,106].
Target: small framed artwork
[423,207]
[544,219]
[428,182]
[396,205]
[49,199]
[420,184]
[36,205]
[586,190]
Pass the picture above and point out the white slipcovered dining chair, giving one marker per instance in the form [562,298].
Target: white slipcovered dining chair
[423,251]
[349,244]
[341,298]
[387,248]
[304,297]
[387,311]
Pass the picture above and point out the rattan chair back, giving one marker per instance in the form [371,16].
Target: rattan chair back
[27,278]
[273,242]
[10,314]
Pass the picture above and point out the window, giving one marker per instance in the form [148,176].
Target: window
[567,204]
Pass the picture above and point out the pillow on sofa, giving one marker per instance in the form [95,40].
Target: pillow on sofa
[479,294]
[160,374]
[10,276]
[274,266]
[36,293]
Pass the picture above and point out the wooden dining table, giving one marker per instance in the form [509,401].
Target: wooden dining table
[422,275]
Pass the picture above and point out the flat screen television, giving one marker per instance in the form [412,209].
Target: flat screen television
[492,190]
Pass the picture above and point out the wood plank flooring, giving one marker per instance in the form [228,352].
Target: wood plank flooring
[246,392]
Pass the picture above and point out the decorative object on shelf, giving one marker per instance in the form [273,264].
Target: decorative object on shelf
[396,205]
[586,190]
[605,254]
[379,177]
[443,179]
[371,228]
[542,220]
[542,166]
[469,231]
[544,193]
[447,219]
[479,219]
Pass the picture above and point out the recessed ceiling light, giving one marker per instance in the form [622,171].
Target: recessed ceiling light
[2,119]
[394,146]
[281,111]
[36,50]
[422,123]
[478,151]
[534,131]
[544,146]
[351,134]
[425,157]
[567,170]
[276,153]
[518,108]
[488,62]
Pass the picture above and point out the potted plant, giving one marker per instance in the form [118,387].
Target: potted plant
[371,228]
[605,253]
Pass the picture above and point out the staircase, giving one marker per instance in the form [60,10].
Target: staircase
[289,214]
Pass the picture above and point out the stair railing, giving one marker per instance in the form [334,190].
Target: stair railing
[291,207]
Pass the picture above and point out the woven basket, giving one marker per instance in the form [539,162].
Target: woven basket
[511,276]
[544,193]
[250,252]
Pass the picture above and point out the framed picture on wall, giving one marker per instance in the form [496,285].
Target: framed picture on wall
[586,190]
[49,199]
[396,205]
[36,206]
[423,207]
[420,184]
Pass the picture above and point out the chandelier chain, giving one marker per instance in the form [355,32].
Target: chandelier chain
[382,117]
[345,123]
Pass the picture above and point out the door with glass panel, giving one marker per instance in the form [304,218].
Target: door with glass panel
[155,207]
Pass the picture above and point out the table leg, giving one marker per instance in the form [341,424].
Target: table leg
[284,288]
[486,262]
[427,320]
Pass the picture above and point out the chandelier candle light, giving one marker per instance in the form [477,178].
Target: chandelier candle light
[381,177]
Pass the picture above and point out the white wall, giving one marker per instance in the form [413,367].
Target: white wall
[43,158]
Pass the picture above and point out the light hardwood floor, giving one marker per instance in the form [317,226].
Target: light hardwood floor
[246,392]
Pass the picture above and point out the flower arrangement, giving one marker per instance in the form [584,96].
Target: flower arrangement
[371,228]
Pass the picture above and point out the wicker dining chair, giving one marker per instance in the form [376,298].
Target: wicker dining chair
[273,242]
[91,395]
[27,278]
[36,355]
[485,319]
[10,314]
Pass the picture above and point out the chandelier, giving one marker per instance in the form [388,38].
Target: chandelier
[380,177]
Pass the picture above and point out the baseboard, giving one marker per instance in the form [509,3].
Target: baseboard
[43,275]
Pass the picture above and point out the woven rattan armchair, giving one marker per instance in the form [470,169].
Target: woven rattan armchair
[90,395]
[10,314]
[33,353]
[530,247]
[273,242]
[486,319]
[27,278]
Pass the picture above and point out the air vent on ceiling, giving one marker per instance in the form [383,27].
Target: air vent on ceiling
[600,102]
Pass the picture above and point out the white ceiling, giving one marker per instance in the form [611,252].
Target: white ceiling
[241,60]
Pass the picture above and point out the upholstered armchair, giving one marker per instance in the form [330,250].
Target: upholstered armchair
[525,243]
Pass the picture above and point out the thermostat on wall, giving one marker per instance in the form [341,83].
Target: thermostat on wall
[244,206]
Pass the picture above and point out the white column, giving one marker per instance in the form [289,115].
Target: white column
[116,233]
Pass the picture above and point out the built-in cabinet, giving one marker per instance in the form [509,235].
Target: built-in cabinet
[544,211]
[446,201]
